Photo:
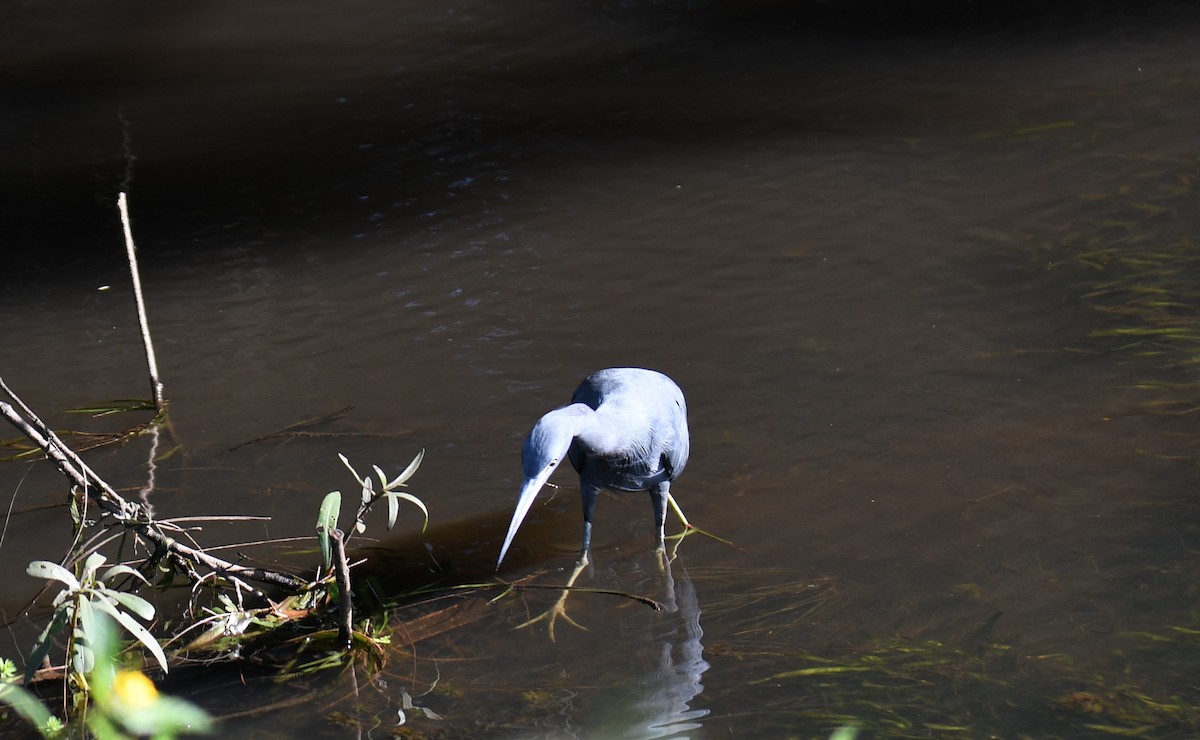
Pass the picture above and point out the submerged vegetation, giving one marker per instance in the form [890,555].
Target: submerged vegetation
[1137,271]
[1143,282]
[912,688]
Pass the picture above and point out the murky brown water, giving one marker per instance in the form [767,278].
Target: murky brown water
[821,223]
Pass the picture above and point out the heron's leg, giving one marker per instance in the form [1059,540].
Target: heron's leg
[588,493]
[658,498]
[664,566]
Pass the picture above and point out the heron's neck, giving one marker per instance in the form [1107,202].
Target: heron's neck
[590,429]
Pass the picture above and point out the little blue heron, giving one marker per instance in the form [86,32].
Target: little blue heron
[625,430]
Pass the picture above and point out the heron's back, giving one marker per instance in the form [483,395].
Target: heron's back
[648,410]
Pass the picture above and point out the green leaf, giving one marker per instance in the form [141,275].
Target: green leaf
[64,596]
[136,629]
[166,717]
[76,512]
[115,406]
[393,509]
[350,467]
[368,491]
[412,500]
[94,561]
[52,572]
[327,519]
[408,472]
[85,618]
[83,658]
[133,603]
[45,642]
[122,570]
[29,706]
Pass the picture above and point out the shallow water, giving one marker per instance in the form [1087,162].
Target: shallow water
[841,232]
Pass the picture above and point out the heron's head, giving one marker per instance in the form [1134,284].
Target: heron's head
[545,447]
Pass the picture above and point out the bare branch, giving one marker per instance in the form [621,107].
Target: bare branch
[156,386]
[341,569]
[129,514]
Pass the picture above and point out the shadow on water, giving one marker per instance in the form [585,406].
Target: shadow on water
[429,112]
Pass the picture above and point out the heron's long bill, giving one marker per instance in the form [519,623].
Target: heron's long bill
[529,492]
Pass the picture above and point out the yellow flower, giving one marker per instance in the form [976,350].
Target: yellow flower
[134,689]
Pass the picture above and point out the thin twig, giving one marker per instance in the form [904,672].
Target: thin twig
[156,386]
[345,608]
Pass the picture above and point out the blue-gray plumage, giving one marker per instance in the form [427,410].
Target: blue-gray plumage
[625,430]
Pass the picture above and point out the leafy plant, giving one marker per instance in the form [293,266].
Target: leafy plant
[327,517]
[77,607]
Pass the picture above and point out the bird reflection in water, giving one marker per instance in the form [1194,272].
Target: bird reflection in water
[675,682]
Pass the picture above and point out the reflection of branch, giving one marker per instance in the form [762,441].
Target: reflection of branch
[151,469]
[131,515]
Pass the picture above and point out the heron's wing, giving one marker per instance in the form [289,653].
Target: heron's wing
[648,408]
[675,457]
[654,445]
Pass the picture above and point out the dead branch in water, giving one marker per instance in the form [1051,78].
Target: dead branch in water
[129,514]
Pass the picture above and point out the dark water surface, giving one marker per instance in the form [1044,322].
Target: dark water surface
[840,229]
